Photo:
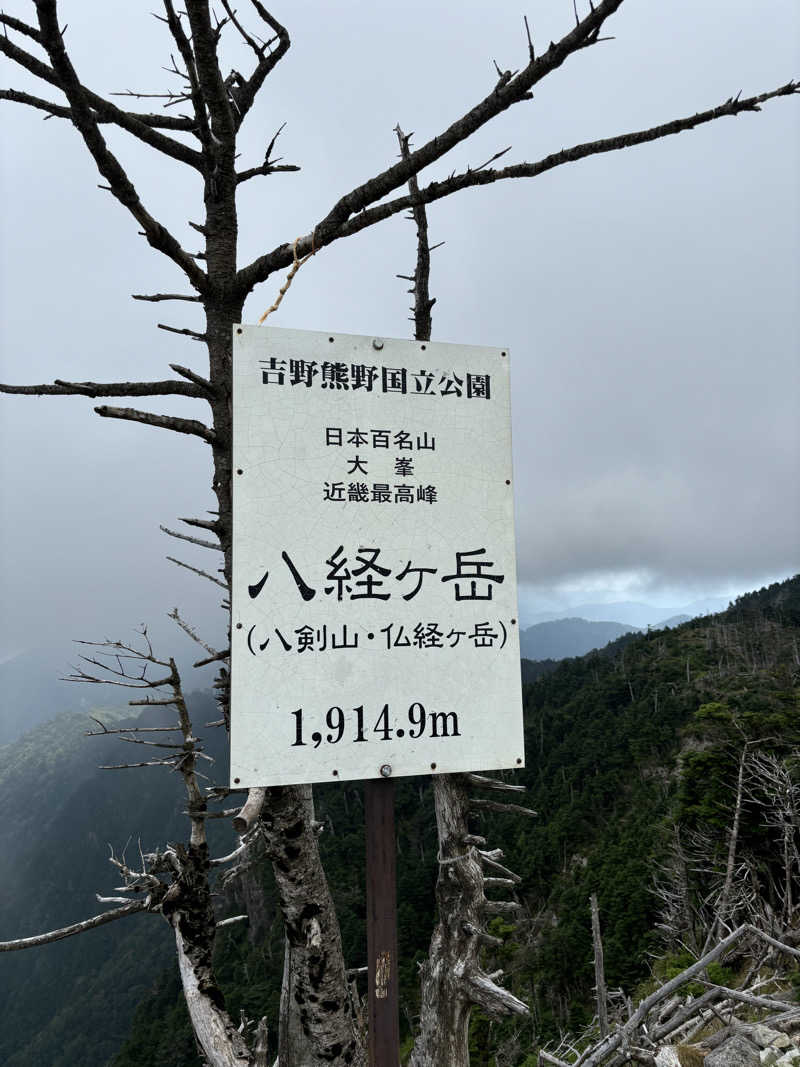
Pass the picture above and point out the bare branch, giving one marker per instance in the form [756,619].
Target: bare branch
[259,49]
[142,126]
[502,96]
[76,928]
[129,729]
[482,782]
[82,676]
[493,805]
[195,93]
[548,1057]
[166,422]
[265,168]
[222,860]
[95,389]
[531,50]
[270,165]
[202,383]
[60,111]
[280,257]
[196,570]
[84,119]
[423,302]
[191,540]
[226,814]
[677,1020]
[501,907]
[189,631]
[494,1000]
[21,27]
[251,810]
[203,524]
[246,94]
[500,883]
[146,703]
[209,79]
[141,740]
[214,659]
[488,859]
[157,297]
[182,330]
[602,1050]
[753,1001]
[472,178]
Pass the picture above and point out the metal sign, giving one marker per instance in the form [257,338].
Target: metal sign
[374,626]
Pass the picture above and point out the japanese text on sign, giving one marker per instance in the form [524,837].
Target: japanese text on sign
[374,594]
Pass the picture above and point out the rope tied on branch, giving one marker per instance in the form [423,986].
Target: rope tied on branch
[298,263]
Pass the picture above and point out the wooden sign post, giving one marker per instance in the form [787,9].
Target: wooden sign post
[374,601]
[384,1026]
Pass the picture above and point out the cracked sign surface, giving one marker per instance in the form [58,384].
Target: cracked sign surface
[374,582]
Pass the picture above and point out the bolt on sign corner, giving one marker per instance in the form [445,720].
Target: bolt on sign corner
[374,580]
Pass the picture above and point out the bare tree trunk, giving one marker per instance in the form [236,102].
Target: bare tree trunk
[733,841]
[452,977]
[599,969]
[293,1046]
[293,1043]
[316,984]
[222,1044]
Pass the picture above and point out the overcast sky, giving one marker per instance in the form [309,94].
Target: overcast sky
[648,297]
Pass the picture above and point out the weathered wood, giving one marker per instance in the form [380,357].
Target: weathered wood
[319,992]
[452,977]
[599,969]
[384,1025]
[222,1045]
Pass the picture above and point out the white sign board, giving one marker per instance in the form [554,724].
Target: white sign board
[374,585]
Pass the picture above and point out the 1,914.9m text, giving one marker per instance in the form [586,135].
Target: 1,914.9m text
[435,723]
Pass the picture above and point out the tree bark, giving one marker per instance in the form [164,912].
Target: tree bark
[222,1044]
[315,981]
[452,977]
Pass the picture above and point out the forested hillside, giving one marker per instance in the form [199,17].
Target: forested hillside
[632,752]
[623,746]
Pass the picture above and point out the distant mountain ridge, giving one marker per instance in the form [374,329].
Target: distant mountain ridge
[632,613]
[32,691]
[562,638]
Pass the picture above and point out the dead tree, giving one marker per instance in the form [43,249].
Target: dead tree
[774,787]
[453,979]
[203,138]
[665,1014]
[175,882]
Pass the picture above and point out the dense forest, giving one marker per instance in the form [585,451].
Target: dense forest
[629,750]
